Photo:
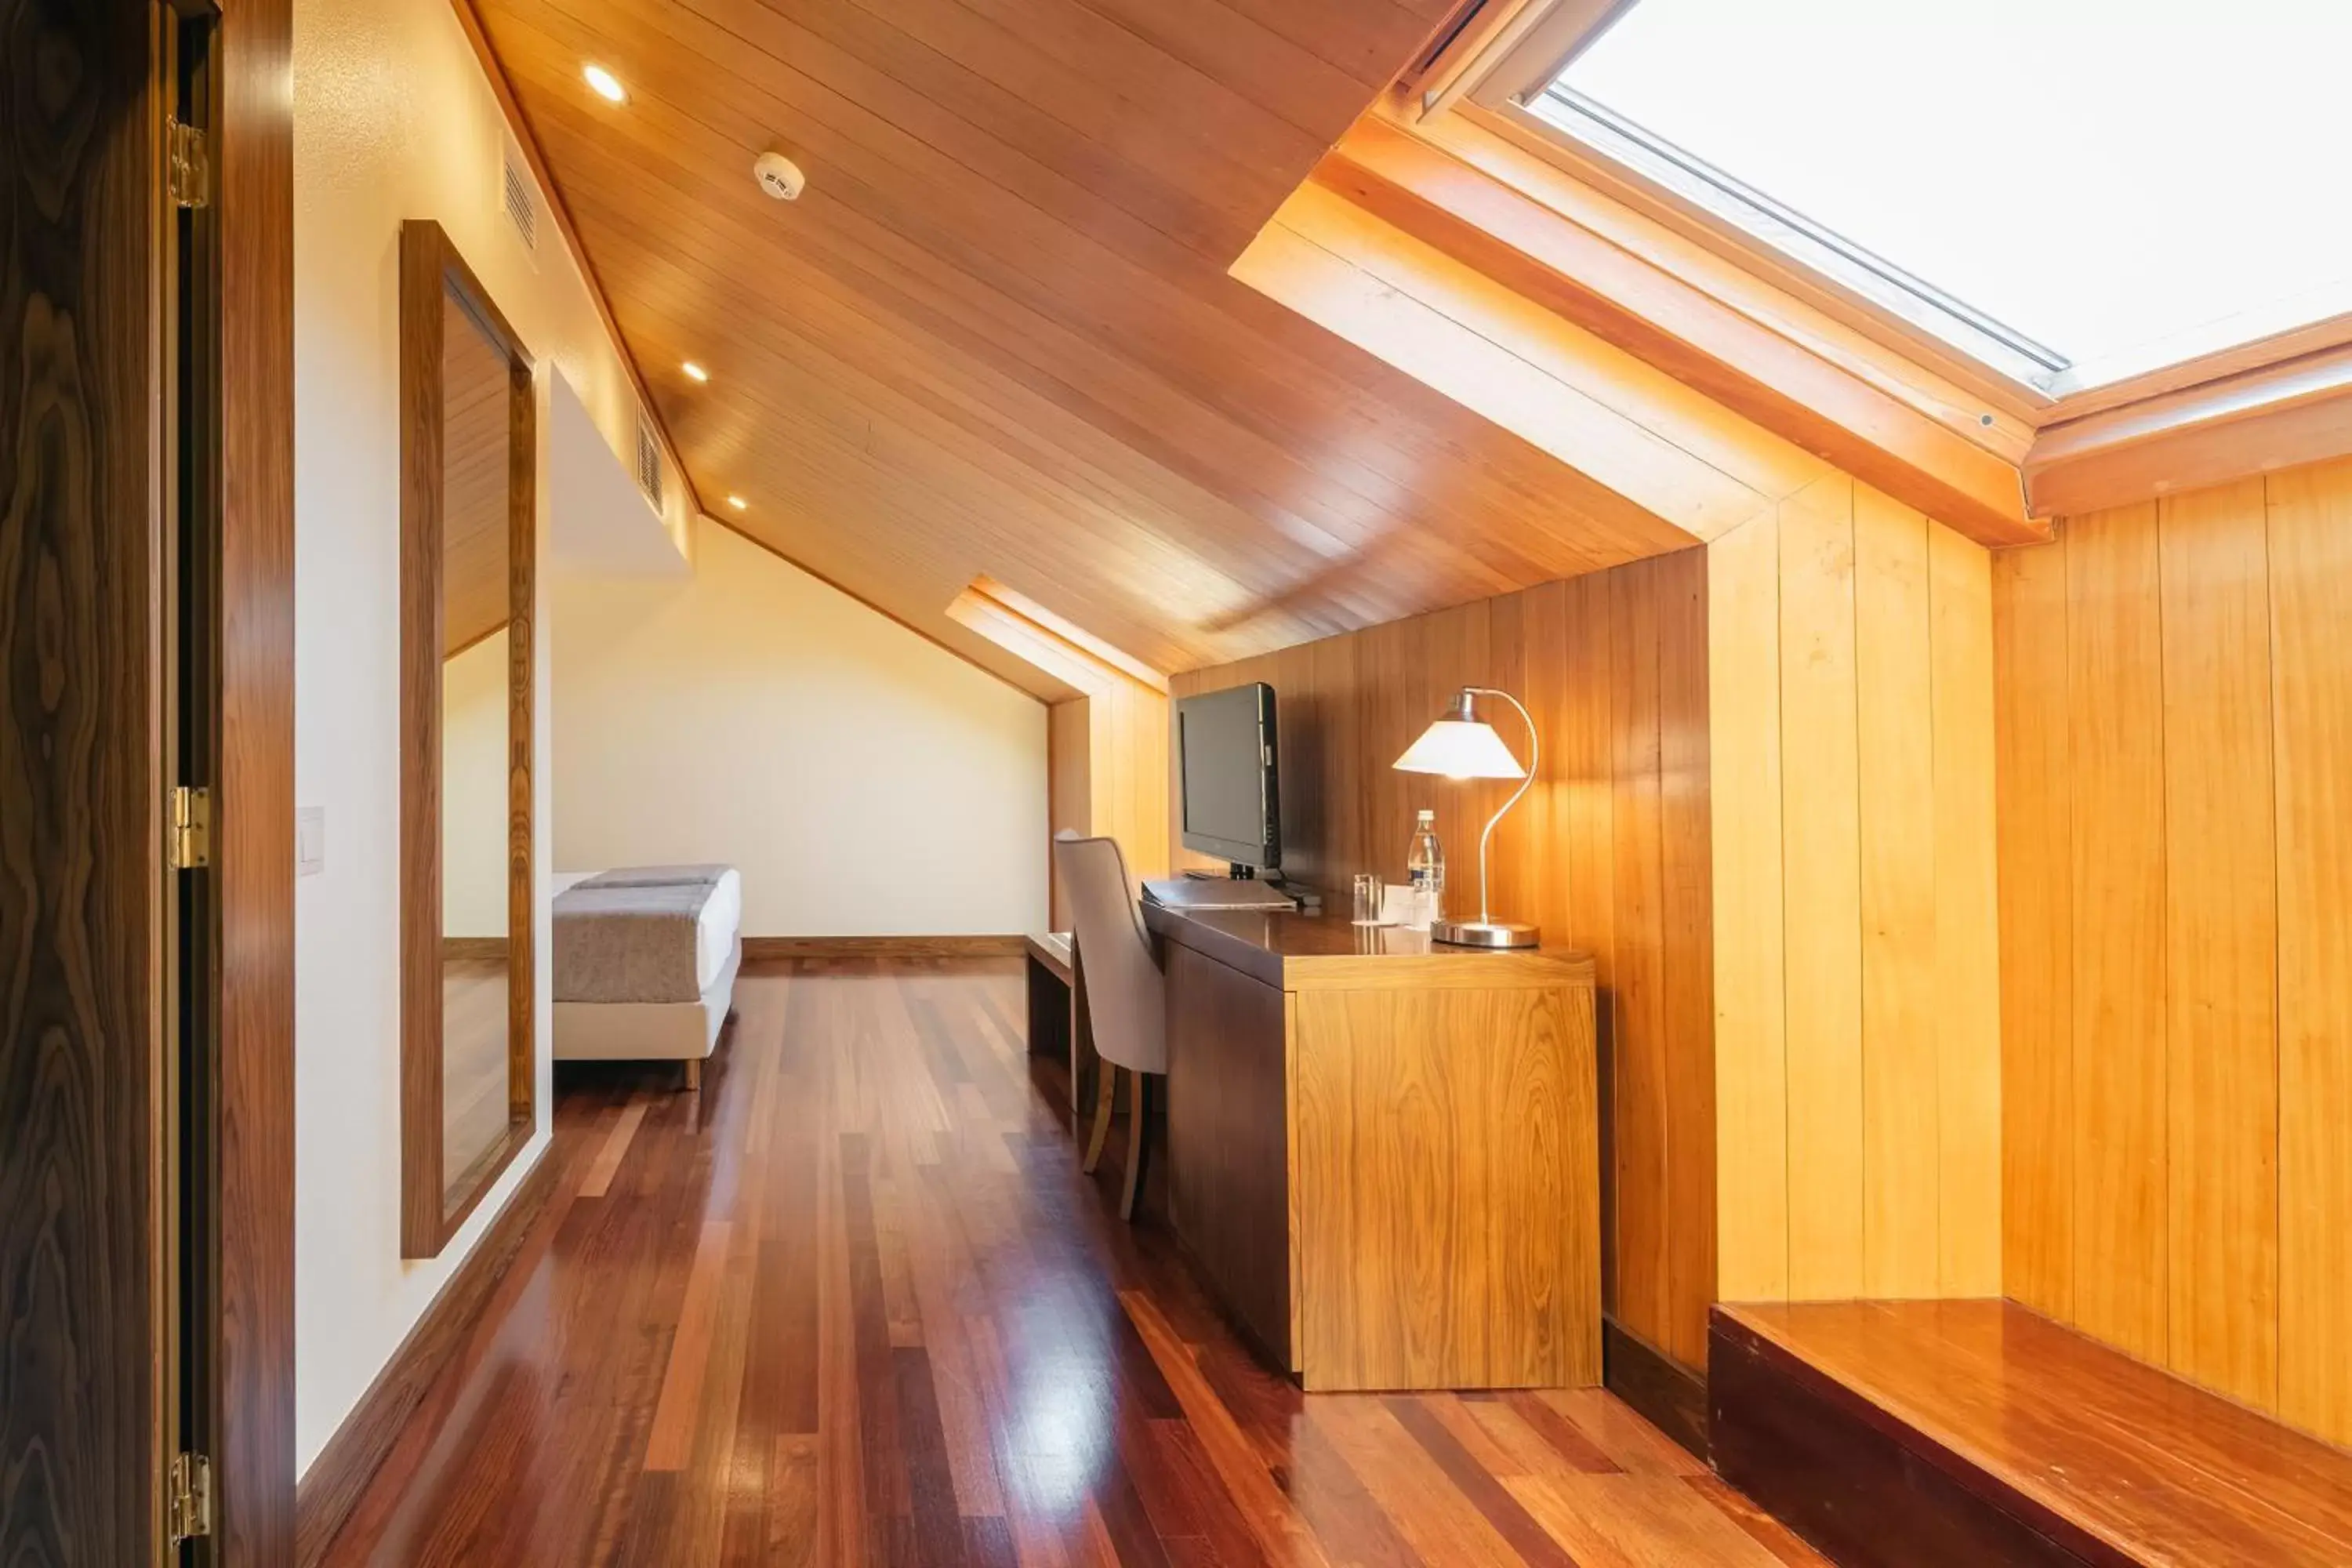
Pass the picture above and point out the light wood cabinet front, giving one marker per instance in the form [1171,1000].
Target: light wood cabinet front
[1448,1189]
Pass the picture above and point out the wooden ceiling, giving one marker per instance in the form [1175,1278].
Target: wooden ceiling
[477,408]
[997,336]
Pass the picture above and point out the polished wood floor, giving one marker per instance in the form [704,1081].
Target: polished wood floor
[854,1304]
[474,1094]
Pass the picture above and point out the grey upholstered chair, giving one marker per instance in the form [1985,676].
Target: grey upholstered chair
[1120,981]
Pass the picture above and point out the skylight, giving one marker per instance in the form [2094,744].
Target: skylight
[2104,185]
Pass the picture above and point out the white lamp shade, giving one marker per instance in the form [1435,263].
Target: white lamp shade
[1460,749]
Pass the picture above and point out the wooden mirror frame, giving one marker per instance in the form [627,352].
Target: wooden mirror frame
[430,1209]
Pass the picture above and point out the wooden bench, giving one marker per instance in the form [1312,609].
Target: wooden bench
[1929,1433]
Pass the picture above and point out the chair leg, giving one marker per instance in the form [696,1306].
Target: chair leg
[1139,1143]
[1106,1092]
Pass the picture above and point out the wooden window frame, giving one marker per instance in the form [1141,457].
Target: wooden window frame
[431,1210]
[2274,401]
[1492,82]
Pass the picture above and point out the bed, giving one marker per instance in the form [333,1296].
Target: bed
[646,960]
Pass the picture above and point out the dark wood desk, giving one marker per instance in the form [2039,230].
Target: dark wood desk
[1058,1025]
[1384,1153]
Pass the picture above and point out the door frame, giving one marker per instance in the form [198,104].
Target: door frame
[253,820]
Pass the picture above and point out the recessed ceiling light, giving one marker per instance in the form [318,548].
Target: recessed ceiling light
[608,86]
[739,503]
[695,371]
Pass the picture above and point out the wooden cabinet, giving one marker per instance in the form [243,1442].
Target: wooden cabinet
[1384,1155]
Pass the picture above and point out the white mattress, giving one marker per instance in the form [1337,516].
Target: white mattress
[714,932]
[646,1031]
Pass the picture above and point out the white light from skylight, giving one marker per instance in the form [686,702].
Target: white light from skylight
[2128,182]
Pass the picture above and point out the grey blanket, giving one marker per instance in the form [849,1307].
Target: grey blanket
[656,877]
[629,935]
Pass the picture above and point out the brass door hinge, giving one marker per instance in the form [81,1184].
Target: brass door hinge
[190,166]
[190,1504]
[191,828]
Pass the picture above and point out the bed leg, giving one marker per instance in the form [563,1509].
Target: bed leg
[694,1075]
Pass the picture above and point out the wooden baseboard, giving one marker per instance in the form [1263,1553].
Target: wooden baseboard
[325,1497]
[771,949]
[473,947]
[1668,1395]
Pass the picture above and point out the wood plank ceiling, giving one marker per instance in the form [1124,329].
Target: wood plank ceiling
[997,336]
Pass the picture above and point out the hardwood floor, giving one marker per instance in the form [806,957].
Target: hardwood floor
[855,1304]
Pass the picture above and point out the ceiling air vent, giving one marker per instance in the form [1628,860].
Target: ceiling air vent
[519,196]
[650,464]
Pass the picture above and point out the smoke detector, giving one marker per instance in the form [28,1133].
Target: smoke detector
[780,176]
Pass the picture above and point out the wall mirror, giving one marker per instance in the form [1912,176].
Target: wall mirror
[468,556]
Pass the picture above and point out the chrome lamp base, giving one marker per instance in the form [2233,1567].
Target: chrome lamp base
[1484,933]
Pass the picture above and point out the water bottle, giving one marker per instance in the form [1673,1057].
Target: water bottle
[1424,864]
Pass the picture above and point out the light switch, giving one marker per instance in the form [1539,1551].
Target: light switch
[310,840]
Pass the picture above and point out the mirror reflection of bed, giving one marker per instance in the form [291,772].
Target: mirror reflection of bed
[475,708]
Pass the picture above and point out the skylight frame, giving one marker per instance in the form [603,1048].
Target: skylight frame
[1752,219]
[1510,79]
[1498,75]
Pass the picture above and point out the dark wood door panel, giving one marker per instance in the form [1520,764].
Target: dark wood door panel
[80,798]
[1229,1139]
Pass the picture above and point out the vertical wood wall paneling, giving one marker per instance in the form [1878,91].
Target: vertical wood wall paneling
[1751,980]
[1821,874]
[2035,826]
[1069,795]
[1626,767]
[1967,1022]
[1517,875]
[2114,670]
[1894,734]
[1127,729]
[2176,893]
[2220,914]
[1857,1049]
[1333,815]
[1588,761]
[1535,638]
[1687,858]
[2310,542]
[1643,1211]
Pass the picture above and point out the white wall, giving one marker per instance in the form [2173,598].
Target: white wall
[864,781]
[394,119]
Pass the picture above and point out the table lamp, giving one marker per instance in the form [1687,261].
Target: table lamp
[1461,746]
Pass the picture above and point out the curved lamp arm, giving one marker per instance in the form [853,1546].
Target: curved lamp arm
[1535,765]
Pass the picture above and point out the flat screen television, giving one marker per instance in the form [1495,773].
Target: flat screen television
[1226,759]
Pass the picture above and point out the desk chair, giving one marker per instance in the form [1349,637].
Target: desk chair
[1122,986]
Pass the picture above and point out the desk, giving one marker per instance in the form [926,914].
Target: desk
[1058,1025]
[1384,1153]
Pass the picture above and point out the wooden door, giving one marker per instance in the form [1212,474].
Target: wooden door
[81,873]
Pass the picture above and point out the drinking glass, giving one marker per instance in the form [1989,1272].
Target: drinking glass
[1368,898]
